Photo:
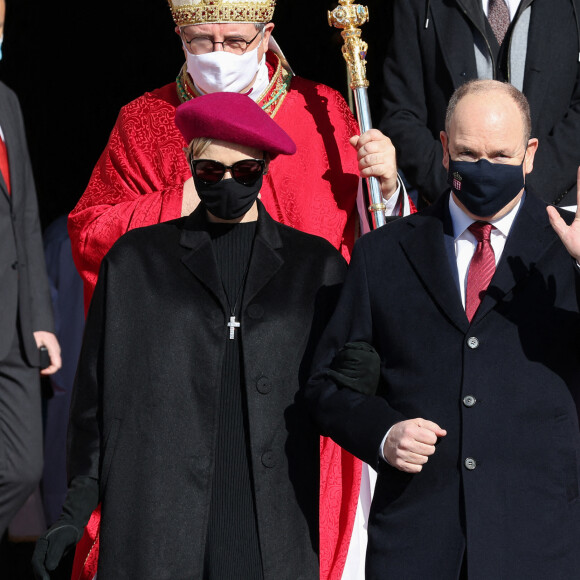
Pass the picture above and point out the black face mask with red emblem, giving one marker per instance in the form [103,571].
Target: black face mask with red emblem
[484,188]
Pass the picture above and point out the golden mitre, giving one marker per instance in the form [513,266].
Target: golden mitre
[186,12]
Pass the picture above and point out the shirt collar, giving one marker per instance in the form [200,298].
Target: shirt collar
[461,221]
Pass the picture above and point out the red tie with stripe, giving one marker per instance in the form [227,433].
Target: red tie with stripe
[4,166]
[481,268]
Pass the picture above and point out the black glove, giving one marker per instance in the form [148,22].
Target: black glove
[356,366]
[81,499]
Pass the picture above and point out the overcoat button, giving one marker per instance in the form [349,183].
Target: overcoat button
[264,385]
[470,463]
[255,311]
[469,401]
[472,342]
[14,265]
[268,459]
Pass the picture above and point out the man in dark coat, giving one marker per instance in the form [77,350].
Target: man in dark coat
[475,433]
[187,407]
[438,45]
[26,320]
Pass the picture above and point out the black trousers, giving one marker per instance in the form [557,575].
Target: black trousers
[20,432]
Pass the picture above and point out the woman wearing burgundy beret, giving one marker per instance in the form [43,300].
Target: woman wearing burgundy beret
[187,422]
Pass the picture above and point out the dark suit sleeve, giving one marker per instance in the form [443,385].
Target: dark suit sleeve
[40,305]
[355,421]
[558,157]
[419,152]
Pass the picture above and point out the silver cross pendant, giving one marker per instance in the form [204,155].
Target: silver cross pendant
[233,324]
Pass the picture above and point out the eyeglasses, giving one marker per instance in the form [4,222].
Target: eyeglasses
[209,172]
[205,44]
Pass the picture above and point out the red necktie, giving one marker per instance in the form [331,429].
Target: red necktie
[4,166]
[498,15]
[481,268]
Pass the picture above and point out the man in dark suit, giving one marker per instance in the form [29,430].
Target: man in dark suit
[25,314]
[475,434]
[441,44]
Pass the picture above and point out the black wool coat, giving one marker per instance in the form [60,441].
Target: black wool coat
[503,485]
[144,411]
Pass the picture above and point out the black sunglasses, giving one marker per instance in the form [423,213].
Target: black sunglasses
[246,171]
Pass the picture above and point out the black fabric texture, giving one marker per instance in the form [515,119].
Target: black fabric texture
[356,366]
[232,548]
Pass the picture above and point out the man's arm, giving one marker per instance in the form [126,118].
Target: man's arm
[405,117]
[39,303]
[408,444]
[558,154]
[356,421]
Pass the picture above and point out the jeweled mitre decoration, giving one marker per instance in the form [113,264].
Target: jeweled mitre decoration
[186,12]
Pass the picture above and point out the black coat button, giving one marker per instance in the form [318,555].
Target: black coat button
[268,459]
[255,311]
[469,401]
[15,265]
[264,385]
[470,463]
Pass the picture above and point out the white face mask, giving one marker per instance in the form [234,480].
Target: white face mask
[222,71]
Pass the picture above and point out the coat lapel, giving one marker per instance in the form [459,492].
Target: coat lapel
[265,260]
[529,239]
[8,131]
[428,251]
[457,46]
[4,189]
[200,260]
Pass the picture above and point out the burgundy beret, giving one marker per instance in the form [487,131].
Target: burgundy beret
[234,118]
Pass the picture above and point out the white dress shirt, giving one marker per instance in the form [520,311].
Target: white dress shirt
[465,242]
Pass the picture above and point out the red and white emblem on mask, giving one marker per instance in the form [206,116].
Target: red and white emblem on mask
[457,181]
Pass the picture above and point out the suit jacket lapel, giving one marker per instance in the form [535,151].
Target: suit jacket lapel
[265,260]
[428,251]
[456,46]
[8,131]
[4,188]
[529,239]
[200,260]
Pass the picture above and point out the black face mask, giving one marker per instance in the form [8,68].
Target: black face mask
[227,199]
[483,187]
